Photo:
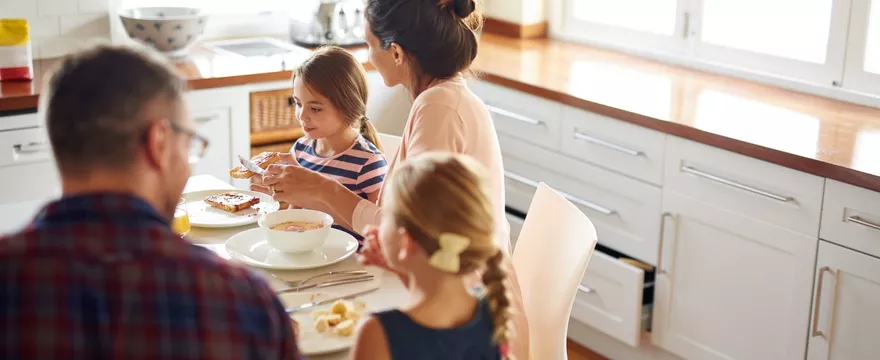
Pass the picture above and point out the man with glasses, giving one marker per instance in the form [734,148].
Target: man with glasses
[99,273]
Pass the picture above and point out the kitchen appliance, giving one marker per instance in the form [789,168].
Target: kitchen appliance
[329,22]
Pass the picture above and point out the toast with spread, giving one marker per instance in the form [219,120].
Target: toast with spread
[232,201]
[263,160]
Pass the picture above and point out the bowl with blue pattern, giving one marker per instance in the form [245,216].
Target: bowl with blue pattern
[170,30]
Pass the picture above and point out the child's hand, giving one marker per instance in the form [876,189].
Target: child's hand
[371,255]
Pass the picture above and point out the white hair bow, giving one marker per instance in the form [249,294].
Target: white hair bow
[447,257]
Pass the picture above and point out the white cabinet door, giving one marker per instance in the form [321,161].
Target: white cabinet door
[214,125]
[846,315]
[730,286]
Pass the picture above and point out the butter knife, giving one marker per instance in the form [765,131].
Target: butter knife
[251,166]
[310,305]
[327,284]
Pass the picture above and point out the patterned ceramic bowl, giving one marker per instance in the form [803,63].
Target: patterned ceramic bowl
[171,30]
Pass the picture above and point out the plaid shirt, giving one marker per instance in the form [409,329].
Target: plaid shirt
[103,276]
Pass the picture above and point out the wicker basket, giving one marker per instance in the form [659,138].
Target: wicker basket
[273,117]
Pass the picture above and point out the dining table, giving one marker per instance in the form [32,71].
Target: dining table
[384,292]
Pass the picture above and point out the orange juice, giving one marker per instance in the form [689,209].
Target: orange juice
[180,224]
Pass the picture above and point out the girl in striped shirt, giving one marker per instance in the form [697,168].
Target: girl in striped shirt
[330,95]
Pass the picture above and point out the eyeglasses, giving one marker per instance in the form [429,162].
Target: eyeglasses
[198,144]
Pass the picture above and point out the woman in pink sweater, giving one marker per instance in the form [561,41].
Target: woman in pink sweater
[425,45]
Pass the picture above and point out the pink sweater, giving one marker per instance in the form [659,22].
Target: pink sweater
[449,117]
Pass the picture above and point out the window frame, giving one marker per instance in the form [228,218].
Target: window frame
[838,78]
[855,77]
[627,37]
[828,73]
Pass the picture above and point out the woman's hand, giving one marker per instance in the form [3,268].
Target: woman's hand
[371,254]
[292,183]
[257,179]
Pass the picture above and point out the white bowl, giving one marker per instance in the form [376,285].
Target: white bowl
[296,241]
[171,30]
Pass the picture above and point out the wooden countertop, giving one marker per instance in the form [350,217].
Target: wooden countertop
[816,135]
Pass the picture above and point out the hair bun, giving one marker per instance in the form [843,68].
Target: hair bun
[463,8]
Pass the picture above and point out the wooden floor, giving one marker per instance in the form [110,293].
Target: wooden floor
[578,352]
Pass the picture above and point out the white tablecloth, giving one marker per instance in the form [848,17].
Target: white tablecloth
[390,293]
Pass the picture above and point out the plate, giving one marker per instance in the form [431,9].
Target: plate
[251,247]
[203,215]
[309,340]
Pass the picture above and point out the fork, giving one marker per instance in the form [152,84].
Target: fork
[300,283]
[330,283]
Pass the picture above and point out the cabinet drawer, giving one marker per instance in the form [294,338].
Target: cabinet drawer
[27,167]
[616,145]
[626,212]
[851,217]
[21,120]
[523,116]
[761,190]
[610,298]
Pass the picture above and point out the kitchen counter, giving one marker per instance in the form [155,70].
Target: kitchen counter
[812,134]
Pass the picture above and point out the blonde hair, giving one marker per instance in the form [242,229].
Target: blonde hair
[437,193]
[336,74]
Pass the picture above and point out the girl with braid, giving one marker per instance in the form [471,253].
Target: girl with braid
[438,228]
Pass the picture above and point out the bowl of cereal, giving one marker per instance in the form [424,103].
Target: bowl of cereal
[296,230]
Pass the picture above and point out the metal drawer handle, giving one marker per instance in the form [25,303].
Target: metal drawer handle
[705,175]
[521,179]
[855,219]
[586,290]
[204,119]
[31,147]
[593,206]
[815,328]
[513,115]
[584,137]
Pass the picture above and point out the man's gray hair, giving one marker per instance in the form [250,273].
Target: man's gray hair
[96,101]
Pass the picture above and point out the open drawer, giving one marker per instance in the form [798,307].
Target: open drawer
[615,296]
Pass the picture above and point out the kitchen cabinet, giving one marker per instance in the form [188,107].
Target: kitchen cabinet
[619,146]
[214,125]
[845,317]
[223,116]
[851,217]
[625,211]
[730,286]
[28,176]
[609,298]
[522,116]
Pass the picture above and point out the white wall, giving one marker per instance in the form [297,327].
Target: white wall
[59,26]
[517,11]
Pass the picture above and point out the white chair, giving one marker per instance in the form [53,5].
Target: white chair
[552,252]
[390,144]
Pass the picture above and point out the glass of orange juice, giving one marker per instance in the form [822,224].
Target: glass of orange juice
[180,224]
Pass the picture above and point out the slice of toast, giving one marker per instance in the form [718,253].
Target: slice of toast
[263,160]
[232,201]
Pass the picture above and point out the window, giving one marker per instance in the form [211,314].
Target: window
[651,24]
[791,29]
[803,43]
[653,16]
[863,47]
